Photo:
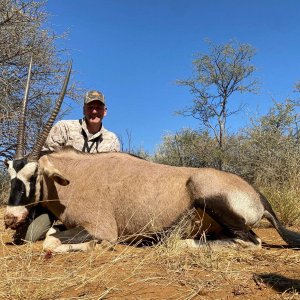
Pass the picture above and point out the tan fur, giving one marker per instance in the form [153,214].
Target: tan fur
[113,195]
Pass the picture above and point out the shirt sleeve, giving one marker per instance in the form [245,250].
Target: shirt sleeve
[115,145]
[57,137]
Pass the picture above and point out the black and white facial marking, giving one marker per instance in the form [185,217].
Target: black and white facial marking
[23,177]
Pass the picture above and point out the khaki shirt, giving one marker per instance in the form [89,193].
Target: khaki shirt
[72,133]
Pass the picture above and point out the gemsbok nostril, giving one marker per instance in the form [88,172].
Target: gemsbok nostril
[9,220]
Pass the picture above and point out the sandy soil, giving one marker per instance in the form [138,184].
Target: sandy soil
[160,272]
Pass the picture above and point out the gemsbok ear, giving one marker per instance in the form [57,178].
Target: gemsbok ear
[60,179]
[55,175]
[50,171]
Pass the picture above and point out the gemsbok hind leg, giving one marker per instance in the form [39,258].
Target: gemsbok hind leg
[230,201]
[236,232]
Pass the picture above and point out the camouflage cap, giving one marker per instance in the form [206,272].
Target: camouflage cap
[93,96]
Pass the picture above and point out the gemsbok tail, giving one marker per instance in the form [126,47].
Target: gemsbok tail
[292,238]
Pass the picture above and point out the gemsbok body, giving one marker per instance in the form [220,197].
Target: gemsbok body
[117,197]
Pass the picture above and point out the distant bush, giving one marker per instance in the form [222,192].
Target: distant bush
[188,148]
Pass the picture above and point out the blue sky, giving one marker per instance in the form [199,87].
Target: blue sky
[135,50]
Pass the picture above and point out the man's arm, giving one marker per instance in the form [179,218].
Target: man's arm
[57,137]
[115,145]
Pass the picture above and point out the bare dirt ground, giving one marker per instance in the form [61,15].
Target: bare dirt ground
[160,272]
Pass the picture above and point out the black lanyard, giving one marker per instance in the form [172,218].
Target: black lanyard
[86,147]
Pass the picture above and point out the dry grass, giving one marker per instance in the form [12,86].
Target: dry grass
[247,273]
[285,201]
[283,193]
[164,271]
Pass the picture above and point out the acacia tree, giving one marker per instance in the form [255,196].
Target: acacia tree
[23,34]
[218,75]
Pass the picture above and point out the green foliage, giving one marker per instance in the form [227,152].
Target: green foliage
[271,147]
[187,148]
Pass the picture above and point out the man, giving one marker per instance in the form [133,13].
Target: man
[87,135]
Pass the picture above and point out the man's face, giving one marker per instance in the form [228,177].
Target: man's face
[94,112]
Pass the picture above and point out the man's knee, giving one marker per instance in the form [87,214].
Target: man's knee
[38,228]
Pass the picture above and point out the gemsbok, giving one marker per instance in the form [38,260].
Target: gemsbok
[114,197]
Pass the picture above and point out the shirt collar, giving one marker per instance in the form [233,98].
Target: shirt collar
[97,134]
